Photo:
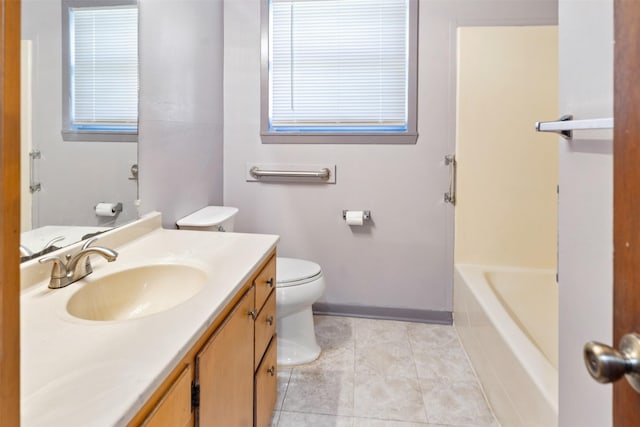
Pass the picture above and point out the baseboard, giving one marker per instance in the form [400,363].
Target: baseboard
[388,313]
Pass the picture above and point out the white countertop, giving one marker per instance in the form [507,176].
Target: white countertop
[85,373]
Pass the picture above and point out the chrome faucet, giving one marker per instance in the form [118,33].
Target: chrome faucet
[76,266]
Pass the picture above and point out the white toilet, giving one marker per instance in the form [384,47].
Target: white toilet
[299,283]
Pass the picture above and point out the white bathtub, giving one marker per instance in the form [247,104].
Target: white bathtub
[507,319]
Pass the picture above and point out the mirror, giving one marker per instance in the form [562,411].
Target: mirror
[64,181]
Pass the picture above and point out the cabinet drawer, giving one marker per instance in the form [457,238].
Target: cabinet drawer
[266,386]
[175,407]
[265,327]
[265,282]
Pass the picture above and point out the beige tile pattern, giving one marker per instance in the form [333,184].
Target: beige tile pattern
[381,373]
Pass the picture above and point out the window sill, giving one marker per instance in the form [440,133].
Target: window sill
[71,135]
[337,138]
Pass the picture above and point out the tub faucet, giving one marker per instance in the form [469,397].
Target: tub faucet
[76,266]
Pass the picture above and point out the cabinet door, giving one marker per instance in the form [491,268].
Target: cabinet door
[174,409]
[267,385]
[224,370]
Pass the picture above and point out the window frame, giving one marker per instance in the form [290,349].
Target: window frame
[68,132]
[409,136]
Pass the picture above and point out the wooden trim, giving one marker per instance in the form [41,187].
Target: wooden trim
[10,213]
[626,176]
[191,354]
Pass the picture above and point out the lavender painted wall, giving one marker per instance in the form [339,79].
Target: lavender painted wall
[585,208]
[405,259]
[181,115]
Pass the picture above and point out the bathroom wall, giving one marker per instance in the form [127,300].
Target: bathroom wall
[507,172]
[405,259]
[585,208]
[181,117]
[74,175]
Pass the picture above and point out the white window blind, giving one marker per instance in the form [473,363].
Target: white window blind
[338,65]
[104,68]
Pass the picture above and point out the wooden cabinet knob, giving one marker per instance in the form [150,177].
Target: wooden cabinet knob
[253,314]
[270,320]
[272,370]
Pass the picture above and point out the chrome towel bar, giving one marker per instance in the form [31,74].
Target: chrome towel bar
[324,173]
[450,196]
[566,125]
[33,185]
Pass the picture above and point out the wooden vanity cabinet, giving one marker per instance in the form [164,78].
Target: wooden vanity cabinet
[229,377]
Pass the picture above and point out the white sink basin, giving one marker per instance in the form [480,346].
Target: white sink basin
[136,292]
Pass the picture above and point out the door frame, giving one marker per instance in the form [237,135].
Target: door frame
[10,213]
[626,195]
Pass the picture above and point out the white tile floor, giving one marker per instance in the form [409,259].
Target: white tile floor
[380,373]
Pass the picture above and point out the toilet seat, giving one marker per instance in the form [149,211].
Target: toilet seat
[207,217]
[294,272]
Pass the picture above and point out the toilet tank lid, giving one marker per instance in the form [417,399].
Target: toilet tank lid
[293,269]
[208,216]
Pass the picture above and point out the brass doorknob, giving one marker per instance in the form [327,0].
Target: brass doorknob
[606,364]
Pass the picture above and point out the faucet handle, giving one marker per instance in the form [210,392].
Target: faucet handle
[59,266]
[58,271]
[109,254]
[52,241]
[87,263]
[89,242]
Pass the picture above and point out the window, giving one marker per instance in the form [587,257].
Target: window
[339,71]
[100,78]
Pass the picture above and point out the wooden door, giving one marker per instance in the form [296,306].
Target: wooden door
[10,213]
[174,409]
[266,390]
[626,218]
[224,370]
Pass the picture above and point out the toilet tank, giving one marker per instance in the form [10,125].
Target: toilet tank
[211,218]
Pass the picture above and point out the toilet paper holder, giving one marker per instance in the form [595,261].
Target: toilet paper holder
[113,208]
[366,215]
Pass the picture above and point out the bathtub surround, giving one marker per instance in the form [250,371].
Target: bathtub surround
[507,217]
[507,172]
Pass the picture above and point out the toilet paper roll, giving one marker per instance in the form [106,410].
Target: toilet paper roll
[107,209]
[355,217]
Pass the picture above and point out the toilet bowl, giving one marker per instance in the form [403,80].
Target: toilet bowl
[299,283]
